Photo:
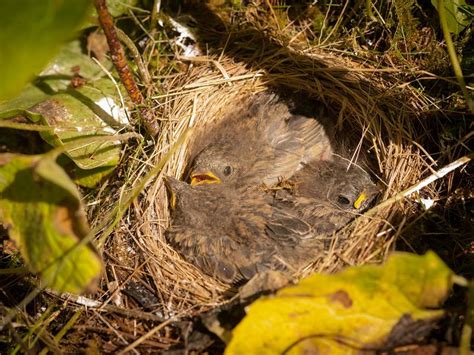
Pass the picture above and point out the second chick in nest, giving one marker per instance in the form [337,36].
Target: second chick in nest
[223,231]
[327,194]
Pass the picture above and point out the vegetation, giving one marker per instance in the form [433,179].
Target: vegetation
[84,147]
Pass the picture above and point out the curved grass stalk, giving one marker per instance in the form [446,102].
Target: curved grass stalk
[453,56]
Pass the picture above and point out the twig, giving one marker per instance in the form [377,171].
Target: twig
[146,336]
[120,63]
[336,26]
[14,311]
[425,182]
[154,13]
[145,75]
[368,9]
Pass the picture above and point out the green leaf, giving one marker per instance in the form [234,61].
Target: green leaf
[89,178]
[120,7]
[56,78]
[73,115]
[31,95]
[32,32]
[76,114]
[367,307]
[459,14]
[69,61]
[44,214]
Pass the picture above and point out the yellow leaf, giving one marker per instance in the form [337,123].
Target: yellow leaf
[42,209]
[360,308]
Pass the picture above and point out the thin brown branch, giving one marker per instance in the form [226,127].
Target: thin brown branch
[142,69]
[120,63]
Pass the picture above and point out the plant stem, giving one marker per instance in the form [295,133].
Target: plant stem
[453,56]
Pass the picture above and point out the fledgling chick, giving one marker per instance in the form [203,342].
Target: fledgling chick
[259,143]
[328,194]
[227,232]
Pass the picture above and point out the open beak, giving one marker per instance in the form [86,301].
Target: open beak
[360,200]
[201,178]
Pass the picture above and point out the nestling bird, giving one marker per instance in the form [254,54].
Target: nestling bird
[223,231]
[259,143]
[327,194]
[234,233]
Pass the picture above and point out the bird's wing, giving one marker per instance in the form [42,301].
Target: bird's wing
[221,257]
[292,141]
[315,141]
[283,150]
[286,226]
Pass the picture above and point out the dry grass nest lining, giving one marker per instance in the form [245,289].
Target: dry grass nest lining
[381,115]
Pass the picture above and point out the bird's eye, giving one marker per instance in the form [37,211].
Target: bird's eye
[343,200]
[227,170]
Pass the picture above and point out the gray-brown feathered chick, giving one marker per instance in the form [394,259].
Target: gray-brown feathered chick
[259,143]
[327,194]
[224,232]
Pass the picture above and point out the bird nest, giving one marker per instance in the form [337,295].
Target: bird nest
[378,117]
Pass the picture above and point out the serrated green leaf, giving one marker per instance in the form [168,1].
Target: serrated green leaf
[32,32]
[367,307]
[45,218]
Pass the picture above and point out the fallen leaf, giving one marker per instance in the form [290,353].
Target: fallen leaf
[360,308]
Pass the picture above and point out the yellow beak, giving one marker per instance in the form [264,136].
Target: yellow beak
[172,199]
[362,197]
[198,178]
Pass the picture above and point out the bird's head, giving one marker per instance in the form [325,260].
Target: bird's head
[177,190]
[352,190]
[214,165]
